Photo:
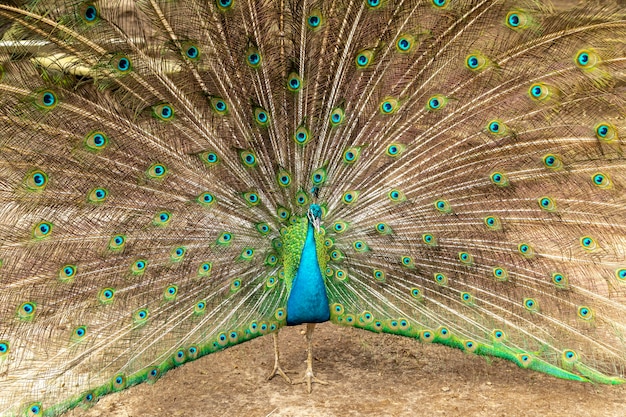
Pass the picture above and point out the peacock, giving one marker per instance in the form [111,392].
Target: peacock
[181,176]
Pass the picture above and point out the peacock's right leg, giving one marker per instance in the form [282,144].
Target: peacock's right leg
[278,370]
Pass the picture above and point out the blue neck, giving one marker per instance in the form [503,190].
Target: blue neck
[308,302]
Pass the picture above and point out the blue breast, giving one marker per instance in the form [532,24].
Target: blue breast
[308,302]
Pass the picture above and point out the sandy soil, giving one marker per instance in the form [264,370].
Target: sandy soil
[368,374]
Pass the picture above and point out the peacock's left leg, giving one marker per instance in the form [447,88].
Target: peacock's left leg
[308,377]
[278,370]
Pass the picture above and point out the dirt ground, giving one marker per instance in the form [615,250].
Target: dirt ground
[368,374]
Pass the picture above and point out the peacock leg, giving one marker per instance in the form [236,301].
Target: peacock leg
[278,370]
[308,377]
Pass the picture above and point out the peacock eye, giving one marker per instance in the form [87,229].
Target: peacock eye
[90,13]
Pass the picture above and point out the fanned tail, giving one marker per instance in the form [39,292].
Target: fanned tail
[153,157]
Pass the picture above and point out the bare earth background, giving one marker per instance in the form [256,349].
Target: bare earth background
[368,374]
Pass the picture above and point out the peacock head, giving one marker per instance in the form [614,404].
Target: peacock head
[314,215]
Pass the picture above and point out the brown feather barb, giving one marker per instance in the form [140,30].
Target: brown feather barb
[161,161]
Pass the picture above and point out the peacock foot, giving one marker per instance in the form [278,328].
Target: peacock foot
[308,379]
[278,370]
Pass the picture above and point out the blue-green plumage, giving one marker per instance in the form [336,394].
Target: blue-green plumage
[308,302]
